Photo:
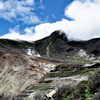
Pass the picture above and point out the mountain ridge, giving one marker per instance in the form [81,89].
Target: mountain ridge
[61,47]
[56,45]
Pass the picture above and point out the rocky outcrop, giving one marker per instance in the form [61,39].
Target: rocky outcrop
[18,71]
[82,53]
[93,65]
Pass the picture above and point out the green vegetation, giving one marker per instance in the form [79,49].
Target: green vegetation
[47,53]
[74,60]
[47,50]
[76,54]
[15,44]
[71,73]
[85,90]
[42,46]
[98,59]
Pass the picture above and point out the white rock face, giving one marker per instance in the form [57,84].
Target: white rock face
[82,53]
[29,52]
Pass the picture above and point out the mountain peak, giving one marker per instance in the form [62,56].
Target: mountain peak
[60,34]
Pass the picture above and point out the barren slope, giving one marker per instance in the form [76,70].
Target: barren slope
[18,71]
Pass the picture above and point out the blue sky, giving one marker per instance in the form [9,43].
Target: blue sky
[34,19]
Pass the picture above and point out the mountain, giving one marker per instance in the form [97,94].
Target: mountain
[14,46]
[58,46]
[55,46]
[50,62]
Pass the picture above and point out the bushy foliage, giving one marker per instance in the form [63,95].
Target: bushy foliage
[85,90]
[95,78]
[65,73]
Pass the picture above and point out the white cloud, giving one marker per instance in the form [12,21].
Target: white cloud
[86,19]
[19,10]
[86,23]
[15,34]
[38,32]
[31,19]
[30,2]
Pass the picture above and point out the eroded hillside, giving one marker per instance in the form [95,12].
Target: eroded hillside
[18,71]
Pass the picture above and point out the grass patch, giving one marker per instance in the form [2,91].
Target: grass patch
[71,73]
[74,60]
[47,50]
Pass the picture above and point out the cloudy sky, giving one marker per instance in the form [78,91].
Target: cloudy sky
[35,19]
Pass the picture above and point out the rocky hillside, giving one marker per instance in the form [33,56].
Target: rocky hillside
[14,46]
[19,71]
[58,46]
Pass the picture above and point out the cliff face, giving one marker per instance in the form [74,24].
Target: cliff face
[18,71]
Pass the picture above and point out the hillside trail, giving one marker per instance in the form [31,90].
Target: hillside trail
[72,80]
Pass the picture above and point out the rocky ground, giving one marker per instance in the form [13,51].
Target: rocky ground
[18,71]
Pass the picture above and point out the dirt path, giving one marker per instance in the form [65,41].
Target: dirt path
[73,80]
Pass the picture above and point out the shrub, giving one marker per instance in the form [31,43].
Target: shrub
[95,77]
[95,82]
[97,95]
[82,91]
[62,92]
